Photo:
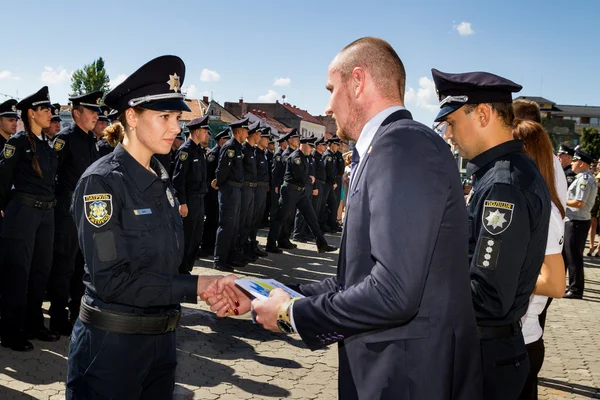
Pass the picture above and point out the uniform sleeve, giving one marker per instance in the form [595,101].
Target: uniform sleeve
[556,232]
[11,153]
[502,239]
[329,168]
[105,250]
[584,188]
[60,144]
[225,160]
[182,160]
[295,165]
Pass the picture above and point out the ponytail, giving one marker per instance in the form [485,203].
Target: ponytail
[35,164]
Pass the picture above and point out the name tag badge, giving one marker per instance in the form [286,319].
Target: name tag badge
[142,211]
[196,160]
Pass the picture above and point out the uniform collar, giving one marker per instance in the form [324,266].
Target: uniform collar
[484,159]
[191,144]
[140,175]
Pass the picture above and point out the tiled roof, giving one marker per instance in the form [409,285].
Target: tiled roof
[196,112]
[578,111]
[282,128]
[302,114]
[537,99]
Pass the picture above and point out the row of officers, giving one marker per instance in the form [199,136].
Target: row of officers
[225,193]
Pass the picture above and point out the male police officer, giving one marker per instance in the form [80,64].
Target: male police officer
[190,184]
[76,150]
[277,172]
[262,189]
[328,215]
[168,160]
[101,123]
[211,200]
[293,141]
[301,231]
[269,154]
[55,121]
[8,120]
[229,181]
[509,211]
[296,179]
[565,155]
[580,200]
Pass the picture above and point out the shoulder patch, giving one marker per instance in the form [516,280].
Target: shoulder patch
[230,153]
[183,155]
[585,177]
[9,150]
[582,185]
[278,158]
[58,144]
[285,158]
[211,158]
[243,155]
[329,158]
[487,255]
[98,208]
[497,216]
[170,197]
[298,161]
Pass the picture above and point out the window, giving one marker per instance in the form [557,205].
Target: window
[594,121]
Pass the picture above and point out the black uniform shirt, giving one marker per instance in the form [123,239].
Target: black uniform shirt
[16,168]
[167,161]
[189,176]
[2,142]
[212,160]
[341,164]
[269,157]
[330,163]
[104,147]
[230,166]
[569,174]
[297,169]
[278,167]
[131,234]
[76,151]
[262,165]
[249,161]
[320,173]
[509,212]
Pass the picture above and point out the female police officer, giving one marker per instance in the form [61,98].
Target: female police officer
[131,235]
[27,171]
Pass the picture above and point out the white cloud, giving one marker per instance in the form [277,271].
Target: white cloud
[464,29]
[8,75]
[117,81]
[282,82]
[191,91]
[424,97]
[53,76]
[209,76]
[270,97]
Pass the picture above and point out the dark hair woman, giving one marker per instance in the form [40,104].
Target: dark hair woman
[27,171]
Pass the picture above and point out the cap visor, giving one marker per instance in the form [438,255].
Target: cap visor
[167,105]
[53,119]
[447,110]
[95,109]
[11,115]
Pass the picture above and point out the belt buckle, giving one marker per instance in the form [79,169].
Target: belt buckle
[172,320]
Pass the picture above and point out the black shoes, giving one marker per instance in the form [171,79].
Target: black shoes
[271,248]
[61,326]
[17,344]
[300,239]
[224,268]
[44,334]
[260,253]
[287,245]
[326,248]
[570,295]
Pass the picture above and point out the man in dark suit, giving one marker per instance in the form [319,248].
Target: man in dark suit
[400,306]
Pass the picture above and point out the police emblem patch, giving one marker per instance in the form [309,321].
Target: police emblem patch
[183,156]
[211,158]
[230,153]
[98,208]
[9,150]
[582,185]
[58,144]
[329,158]
[14,108]
[278,158]
[497,216]
[243,155]
[487,255]
[170,198]
[297,161]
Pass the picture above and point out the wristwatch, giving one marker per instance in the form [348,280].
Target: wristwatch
[284,322]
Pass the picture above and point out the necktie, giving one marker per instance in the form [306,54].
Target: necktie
[354,162]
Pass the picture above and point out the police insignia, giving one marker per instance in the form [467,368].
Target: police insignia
[329,158]
[278,158]
[211,158]
[297,161]
[497,216]
[243,155]
[487,255]
[183,156]
[9,150]
[582,185]
[59,144]
[98,208]
[230,153]
[170,198]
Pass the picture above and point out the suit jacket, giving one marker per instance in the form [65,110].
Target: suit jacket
[400,306]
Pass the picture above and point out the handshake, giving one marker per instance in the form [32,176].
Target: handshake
[226,299]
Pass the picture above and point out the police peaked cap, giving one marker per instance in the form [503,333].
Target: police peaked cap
[309,140]
[198,123]
[564,149]
[55,113]
[265,132]
[8,109]
[156,85]
[89,100]
[456,90]
[223,134]
[253,128]
[105,112]
[41,98]
[242,123]
[583,156]
[292,134]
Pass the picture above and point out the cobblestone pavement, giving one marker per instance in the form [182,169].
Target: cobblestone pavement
[234,359]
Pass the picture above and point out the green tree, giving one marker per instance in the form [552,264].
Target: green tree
[590,141]
[90,78]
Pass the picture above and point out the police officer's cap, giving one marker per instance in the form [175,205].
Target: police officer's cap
[181,136]
[56,113]
[583,156]
[334,140]
[103,115]
[225,134]
[41,98]
[309,139]
[320,141]
[156,85]
[564,149]
[198,123]
[8,109]
[292,134]
[265,132]
[456,90]
[113,115]
[89,100]
[253,128]
[242,123]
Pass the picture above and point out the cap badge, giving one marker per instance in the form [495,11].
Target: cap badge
[14,108]
[98,100]
[173,82]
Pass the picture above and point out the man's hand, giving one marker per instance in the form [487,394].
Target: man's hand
[316,192]
[277,190]
[267,310]
[214,184]
[335,186]
[183,210]
[312,180]
[224,297]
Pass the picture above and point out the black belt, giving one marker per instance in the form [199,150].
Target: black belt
[250,184]
[320,181]
[42,202]
[497,332]
[295,187]
[263,184]
[234,184]
[112,321]
[196,194]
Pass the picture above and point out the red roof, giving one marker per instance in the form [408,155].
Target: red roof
[281,128]
[302,114]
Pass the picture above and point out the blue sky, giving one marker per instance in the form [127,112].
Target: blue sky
[233,48]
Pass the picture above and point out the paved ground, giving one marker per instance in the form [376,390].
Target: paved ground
[234,359]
